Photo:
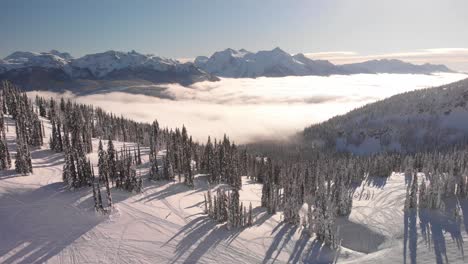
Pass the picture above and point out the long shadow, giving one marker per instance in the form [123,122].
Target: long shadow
[464,208]
[284,234]
[410,236]
[317,252]
[46,158]
[199,236]
[260,215]
[39,224]
[172,189]
[437,224]
[299,248]
[303,249]
[377,182]
[10,173]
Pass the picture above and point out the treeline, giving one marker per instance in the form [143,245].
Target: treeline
[442,175]
[29,129]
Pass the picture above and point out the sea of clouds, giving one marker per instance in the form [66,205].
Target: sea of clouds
[267,108]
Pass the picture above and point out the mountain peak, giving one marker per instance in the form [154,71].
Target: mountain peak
[20,54]
[63,55]
[278,50]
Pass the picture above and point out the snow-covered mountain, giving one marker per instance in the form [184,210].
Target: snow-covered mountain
[278,63]
[274,63]
[63,55]
[57,70]
[427,119]
[393,66]
[22,59]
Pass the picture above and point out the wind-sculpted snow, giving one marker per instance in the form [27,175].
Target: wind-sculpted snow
[262,108]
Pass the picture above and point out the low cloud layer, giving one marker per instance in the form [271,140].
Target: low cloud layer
[246,109]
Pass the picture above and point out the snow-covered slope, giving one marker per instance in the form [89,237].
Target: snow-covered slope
[424,119]
[101,64]
[39,70]
[277,63]
[43,222]
[22,59]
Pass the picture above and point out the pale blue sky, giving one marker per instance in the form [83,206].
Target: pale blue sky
[187,28]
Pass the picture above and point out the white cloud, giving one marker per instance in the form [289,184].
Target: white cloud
[262,107]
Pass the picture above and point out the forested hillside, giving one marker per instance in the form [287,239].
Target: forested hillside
[427,119]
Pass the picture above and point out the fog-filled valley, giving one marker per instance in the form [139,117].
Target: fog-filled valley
[251,109]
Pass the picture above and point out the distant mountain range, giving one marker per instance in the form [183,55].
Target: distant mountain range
[56,70]
[278,63]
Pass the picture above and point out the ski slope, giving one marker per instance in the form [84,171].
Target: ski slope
[41,221]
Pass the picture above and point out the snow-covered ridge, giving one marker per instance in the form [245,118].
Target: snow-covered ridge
[426,119]
[226,63]
[98,64]
[101,64]
[277,63]
[57,70]
[22,59]
[242,63]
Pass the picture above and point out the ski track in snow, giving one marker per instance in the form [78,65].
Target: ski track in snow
[41,221]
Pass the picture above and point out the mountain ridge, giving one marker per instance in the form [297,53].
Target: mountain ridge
[58,71]
[420,120]
[278,63]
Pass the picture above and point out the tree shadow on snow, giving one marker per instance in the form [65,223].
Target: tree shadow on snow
[301,250]
[464,208]
[410,238]
[435,224]
[377,182]
[43,158]
[10,173]
[174,188]
[284,234]
[199,236]
[38,224]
